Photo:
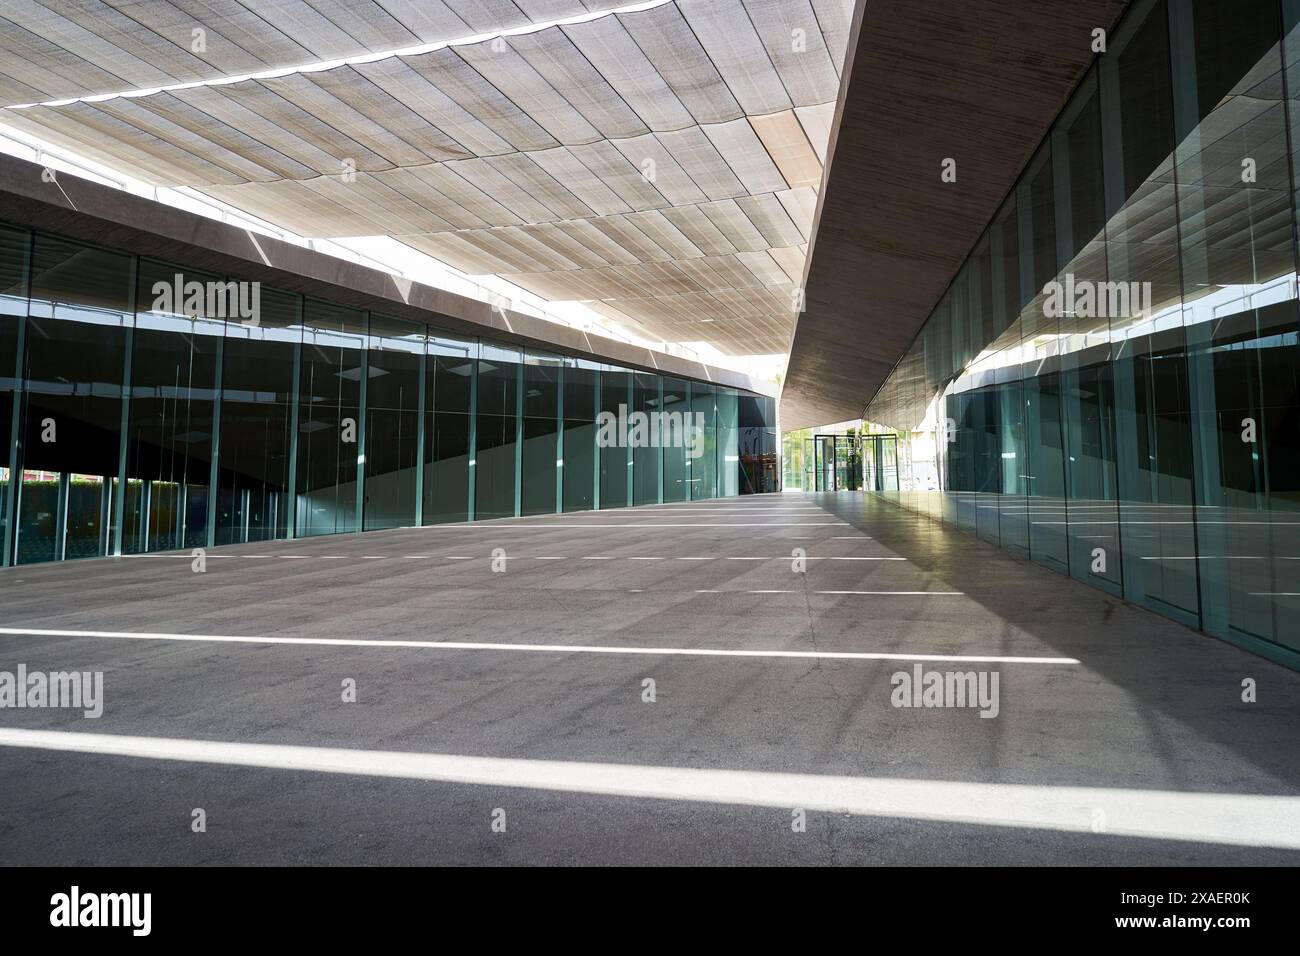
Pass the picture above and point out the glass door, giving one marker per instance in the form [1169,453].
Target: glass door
[881,457]
[826,463]
[848,463]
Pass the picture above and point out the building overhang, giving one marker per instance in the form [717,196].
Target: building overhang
[978,83]
[88,211]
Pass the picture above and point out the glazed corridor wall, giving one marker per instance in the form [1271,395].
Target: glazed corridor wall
[126,427]
[1111,379]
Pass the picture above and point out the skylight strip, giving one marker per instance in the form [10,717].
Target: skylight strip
[324,65]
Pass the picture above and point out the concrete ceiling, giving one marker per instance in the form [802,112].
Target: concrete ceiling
[94,213]
[978,81]
[657,160]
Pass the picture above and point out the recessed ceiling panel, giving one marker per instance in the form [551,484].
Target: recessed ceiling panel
[657,160]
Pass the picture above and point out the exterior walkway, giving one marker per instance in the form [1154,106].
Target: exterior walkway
[500,671]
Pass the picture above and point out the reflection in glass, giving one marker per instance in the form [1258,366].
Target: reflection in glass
[581,397]
[130,423]
[615,456]
[449,379]
[1148,413]
[334,370]
[704,469]
[648,446]
[78,334]
[541,433]
[395,364]
[258,395]
[173,400]
[496,424]
[676,404]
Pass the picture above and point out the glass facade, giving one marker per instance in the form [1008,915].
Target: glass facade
[136,416]
[1111,378]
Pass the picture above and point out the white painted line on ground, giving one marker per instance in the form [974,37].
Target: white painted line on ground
[806,591]
[652,511]
[1220,557]
[549,557]
[1235,819]
[750,525]
[801,591]
[537,648]
[822,557]
[1203,521]
[187,556]
[926,593]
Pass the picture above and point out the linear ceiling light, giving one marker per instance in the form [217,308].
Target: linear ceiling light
[322,65]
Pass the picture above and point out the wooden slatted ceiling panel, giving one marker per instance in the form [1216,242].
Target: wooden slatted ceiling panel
[586,160]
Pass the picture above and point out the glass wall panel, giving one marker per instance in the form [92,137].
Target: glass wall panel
[755,422]
[1068,250]
[1249,510]
[949,412]
[449,380]
[258,408]
[541,460]
[155,414]
[1045,454]
[393,414]
[995,291]
[679,442]
[1139,382]
[581,398]
[729,472]
[975,426]
[496,468]
[964,410]
[1149,367]
[333,375]
[176,351]
[1012,454]
[1037,330]
[978,281]
[1234,190]
[644,434]
[1233,174]
[615,460]
[704,469]
[14,245]
[1291,74]
[78,338]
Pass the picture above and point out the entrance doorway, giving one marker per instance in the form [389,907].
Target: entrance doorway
[832,463]
[880,457]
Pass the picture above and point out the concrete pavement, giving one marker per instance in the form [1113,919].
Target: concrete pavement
[1121,737]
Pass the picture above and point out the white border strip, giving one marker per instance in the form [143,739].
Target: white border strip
[539,648]
[1234,819]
